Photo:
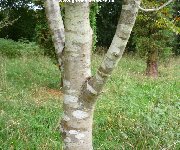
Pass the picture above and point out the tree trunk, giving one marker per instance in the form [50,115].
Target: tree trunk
[53,14]
[152,66]
[77,120]
[80,88]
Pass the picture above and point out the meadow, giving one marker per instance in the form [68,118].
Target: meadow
[133,112]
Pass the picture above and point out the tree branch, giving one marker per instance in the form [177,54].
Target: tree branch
[92,88]
[56,25]
[6,22]
[153,9]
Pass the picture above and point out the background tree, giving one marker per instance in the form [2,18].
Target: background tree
[176,8]
[153,37]
[6,22]
[107,20]
[24,27]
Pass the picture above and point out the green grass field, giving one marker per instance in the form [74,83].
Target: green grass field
[133,113]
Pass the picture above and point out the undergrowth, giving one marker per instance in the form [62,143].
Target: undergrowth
[133,112]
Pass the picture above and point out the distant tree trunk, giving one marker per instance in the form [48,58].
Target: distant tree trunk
[152,64]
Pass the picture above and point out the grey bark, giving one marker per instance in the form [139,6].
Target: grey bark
[93,87]
[53,14]
[80,88]
[77,120]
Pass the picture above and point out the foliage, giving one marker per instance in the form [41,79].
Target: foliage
[151,32]
[6,22]
[12,49]
[93,13]
[176,9]
[10,4]
[24,27]
[134,112]
[43,36]
[107,20]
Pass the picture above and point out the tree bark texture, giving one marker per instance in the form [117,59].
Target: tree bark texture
[77,120]
[93,87]
[53,14]
[152,65]
[80,88]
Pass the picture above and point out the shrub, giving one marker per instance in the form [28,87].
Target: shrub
[13,49]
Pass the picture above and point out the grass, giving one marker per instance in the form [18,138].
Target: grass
[133,113]
[136,112]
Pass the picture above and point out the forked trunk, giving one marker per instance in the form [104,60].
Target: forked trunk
[78,115]
[152,66]
[79,87]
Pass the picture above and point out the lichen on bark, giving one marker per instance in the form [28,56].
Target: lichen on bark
[80,88]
